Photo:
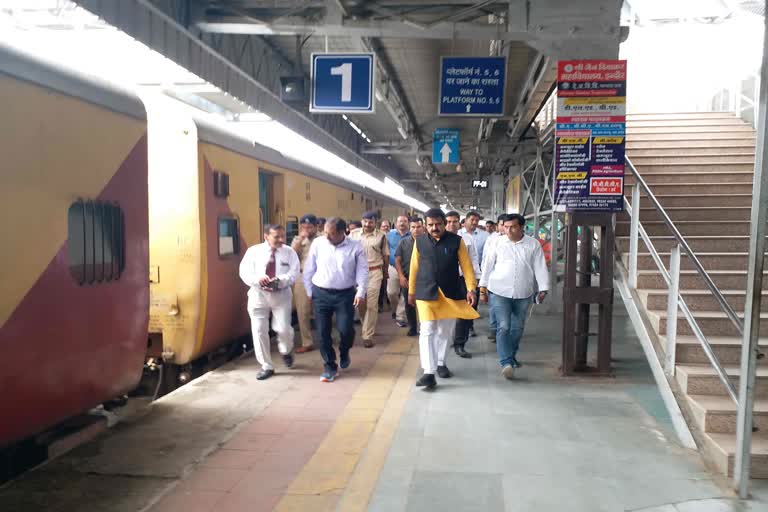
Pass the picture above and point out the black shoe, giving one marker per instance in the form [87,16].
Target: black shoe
[492,337]
[400,323]
[443,372]
[472,333]
[459,349]
[357,321]
[516,364]
[412,334]
[427,381]
[264,374]
[344,360]
[394,315]
[288,360]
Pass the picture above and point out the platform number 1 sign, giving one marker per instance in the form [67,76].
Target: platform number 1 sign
[342,83]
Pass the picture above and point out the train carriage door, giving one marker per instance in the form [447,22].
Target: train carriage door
[271,207]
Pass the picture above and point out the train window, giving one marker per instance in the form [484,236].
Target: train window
[96,241]
[76,242]
[353,195]
[291,228]
[220,184]
[307,192]
[229,240]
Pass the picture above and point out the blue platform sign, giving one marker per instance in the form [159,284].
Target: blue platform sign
[472,86]
[445,146]
[342,82]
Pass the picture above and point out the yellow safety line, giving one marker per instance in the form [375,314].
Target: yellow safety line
[342,473]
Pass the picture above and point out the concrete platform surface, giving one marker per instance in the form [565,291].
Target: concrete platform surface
[372,441]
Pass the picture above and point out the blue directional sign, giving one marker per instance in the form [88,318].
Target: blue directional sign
[445,146]
[472,86]
[342,82]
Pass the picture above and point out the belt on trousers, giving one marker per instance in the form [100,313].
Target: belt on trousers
[335,290]
[374,268]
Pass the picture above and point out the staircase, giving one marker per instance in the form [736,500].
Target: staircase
[700,167]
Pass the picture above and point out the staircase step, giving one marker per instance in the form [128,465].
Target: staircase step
[703,380]
[633,145]
[665,189]
[711,323]
[727,349]
[697,200]
[720,243]
[681,115]
[725,157]
[691,280]
[710,260]
[717,414]
[654,178]
[683,213]
[688,227]
[721,449]
[700,300]
[682,151]
[720,128]
[678,137]
[678,167]
[661,123]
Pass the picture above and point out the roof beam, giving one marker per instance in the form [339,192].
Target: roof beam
[361,28]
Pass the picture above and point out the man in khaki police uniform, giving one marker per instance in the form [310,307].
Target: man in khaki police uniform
[301,243]
[376,251]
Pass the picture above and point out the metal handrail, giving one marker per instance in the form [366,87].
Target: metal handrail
[708,351]
[727,309]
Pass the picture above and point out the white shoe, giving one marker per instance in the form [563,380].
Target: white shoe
[508,372]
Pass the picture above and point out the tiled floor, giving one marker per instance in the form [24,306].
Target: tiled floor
[544,443]
[372,441]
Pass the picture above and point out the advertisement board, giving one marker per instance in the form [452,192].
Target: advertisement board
[590,135]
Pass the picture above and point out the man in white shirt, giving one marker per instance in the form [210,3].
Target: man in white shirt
[479,237]
[514,265]
[463,326]
[270,268]
[335,265]
[492,239]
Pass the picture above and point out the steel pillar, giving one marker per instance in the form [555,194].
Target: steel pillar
[749,345]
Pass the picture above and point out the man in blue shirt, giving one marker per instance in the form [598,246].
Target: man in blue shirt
[396,301]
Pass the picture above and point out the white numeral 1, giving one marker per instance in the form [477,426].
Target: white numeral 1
[345,70]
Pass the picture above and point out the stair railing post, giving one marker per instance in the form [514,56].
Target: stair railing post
[749,342]
[634,235]
[672,299]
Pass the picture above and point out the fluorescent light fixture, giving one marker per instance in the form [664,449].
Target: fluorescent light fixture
[252,117]
[393,186]
[344,117]
[92,52]
[379,96]
[402,132]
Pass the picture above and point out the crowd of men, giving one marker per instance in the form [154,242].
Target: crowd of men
[432,271]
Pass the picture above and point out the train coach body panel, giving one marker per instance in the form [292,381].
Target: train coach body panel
[74,295]
[175,237]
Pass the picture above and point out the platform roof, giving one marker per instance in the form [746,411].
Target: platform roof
[243,47]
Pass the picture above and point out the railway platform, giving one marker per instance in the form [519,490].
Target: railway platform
[372,441]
